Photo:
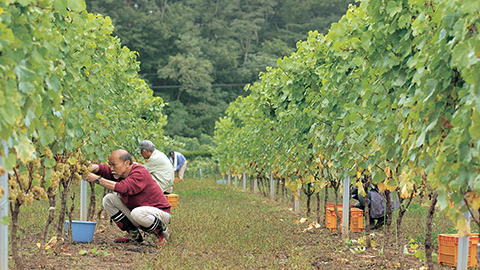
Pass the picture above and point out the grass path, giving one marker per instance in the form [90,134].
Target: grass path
[216,226]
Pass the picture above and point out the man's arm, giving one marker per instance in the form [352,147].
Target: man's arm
[108,184]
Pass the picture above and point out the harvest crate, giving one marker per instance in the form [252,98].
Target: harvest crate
[448,248]
[356,218]
[172,199]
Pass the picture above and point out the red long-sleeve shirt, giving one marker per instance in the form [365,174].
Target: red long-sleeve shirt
[138,189]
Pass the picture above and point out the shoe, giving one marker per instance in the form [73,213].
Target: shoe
[131,236]
[166,234]
[162,236]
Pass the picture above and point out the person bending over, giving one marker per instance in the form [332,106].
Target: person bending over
[158,165]
[140,203]
[179,163]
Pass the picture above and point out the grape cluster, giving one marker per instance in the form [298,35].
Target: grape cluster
[31,182]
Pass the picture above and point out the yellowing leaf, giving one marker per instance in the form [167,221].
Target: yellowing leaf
[388,172]
[296,196]
[330,164]
[390,187]
[25,150]
[473,199]
[361,191]
[463,227]
[381,187]
[405,193]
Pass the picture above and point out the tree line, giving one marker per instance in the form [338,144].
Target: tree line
[199,55]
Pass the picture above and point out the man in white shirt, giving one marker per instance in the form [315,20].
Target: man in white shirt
[159,166]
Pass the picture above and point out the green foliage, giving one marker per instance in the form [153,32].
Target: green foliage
[376,95]
[69,92]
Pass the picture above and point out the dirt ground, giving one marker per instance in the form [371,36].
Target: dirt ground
[327,249]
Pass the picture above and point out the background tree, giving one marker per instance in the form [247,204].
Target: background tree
[199,54]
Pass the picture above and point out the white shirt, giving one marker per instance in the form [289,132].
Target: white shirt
[161,169]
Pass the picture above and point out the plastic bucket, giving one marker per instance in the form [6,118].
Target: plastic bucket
[82,231]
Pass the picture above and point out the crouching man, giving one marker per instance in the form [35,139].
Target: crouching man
[140,202]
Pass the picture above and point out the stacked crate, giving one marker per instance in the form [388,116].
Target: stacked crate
[356,218]
[448,248]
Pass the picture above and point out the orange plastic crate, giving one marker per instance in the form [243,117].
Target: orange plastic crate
[448,248]
[172,199]
[356,218]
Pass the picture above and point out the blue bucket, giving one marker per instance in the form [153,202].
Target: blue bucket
[82,231]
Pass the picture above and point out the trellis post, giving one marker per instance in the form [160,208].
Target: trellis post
[244,181]
[4,212]
[83,200]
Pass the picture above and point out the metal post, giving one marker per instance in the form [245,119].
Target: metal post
[229,178]
[463,245]
[236,177]
[244,181]
[3,213]
[255,185]
[272,188]
[83,200]
[346,206]
[297,203]
[200,173]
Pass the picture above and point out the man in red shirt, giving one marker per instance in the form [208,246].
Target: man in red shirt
[140,202]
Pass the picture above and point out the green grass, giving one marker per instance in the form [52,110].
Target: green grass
[215,227]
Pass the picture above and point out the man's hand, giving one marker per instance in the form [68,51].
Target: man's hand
[92,177]
[94,168]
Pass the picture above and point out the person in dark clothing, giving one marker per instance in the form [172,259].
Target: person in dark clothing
[376,203]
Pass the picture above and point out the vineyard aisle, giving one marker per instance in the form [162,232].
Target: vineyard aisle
[218,226]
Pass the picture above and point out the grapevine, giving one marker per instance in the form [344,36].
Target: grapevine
[379,95]
[66,98]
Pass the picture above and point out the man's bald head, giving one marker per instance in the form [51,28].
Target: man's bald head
[123,155]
